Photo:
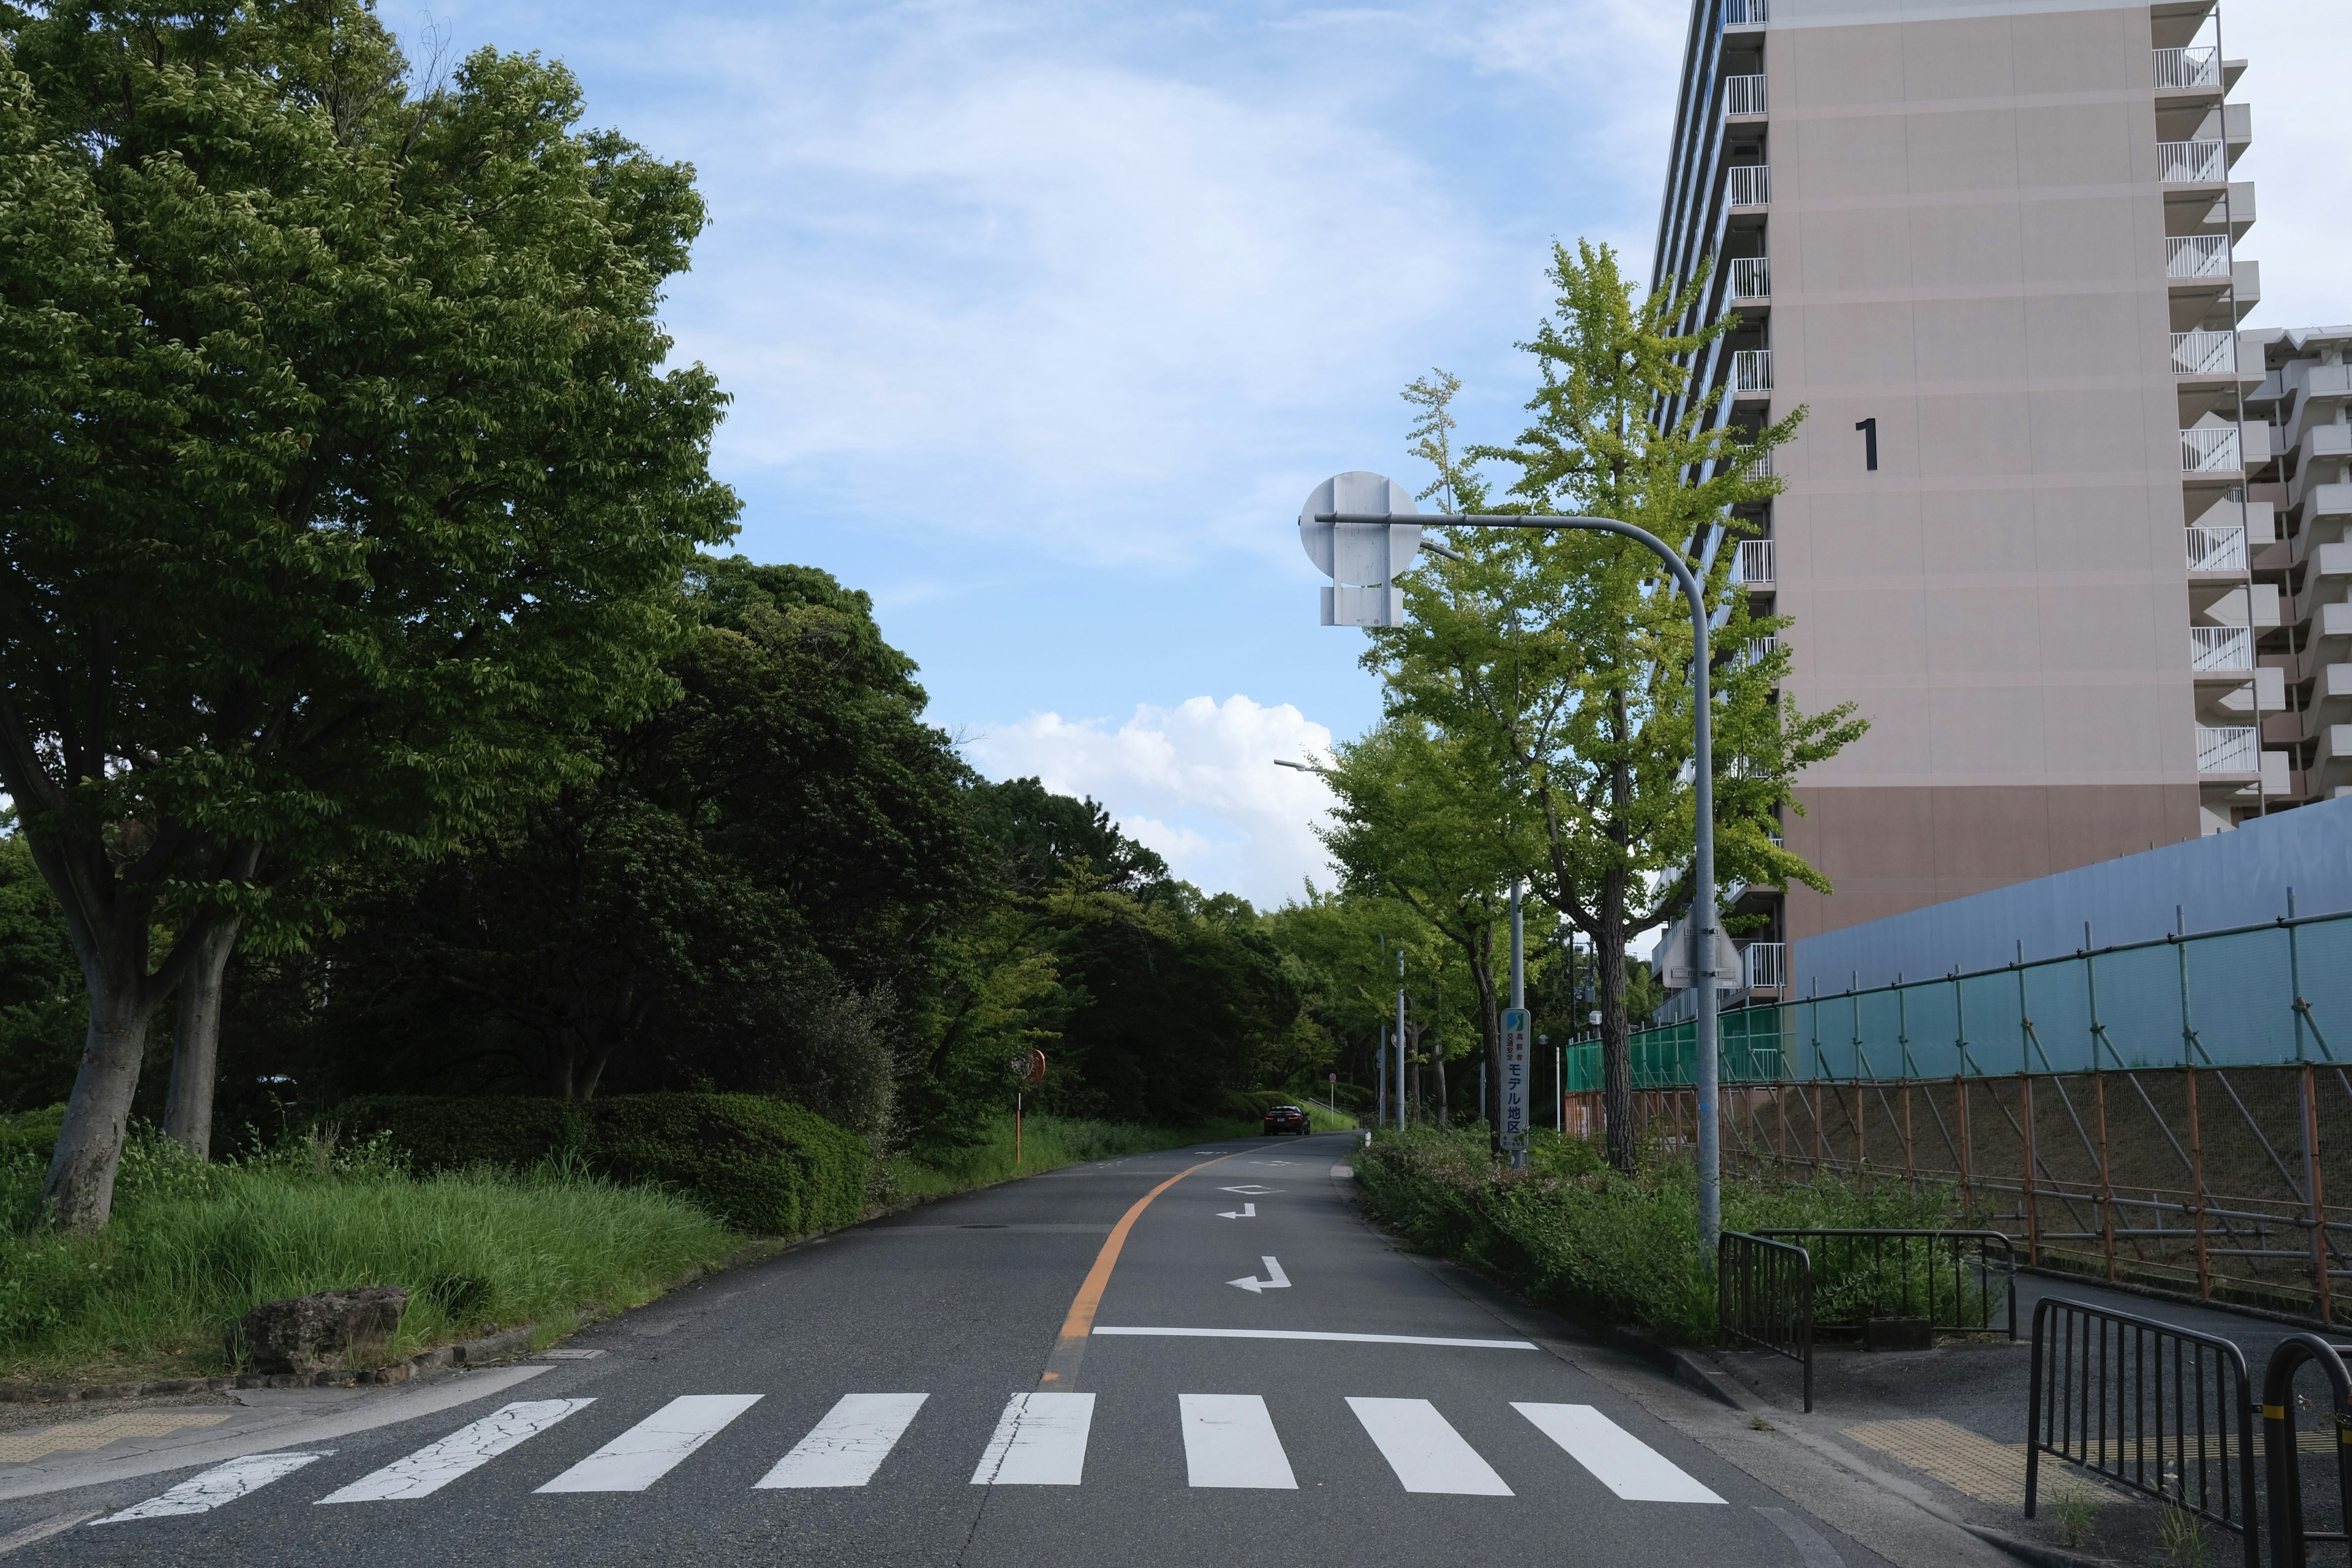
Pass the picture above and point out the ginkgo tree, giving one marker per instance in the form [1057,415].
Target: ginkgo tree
[347,482]
[1556,664]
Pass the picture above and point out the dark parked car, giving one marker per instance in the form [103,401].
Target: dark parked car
[1286,1119]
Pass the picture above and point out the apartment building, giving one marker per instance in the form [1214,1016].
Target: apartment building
[2032,520]
[2297,572]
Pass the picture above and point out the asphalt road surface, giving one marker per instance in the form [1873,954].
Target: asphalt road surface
[1063,1369]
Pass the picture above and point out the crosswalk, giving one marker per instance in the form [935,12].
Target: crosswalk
[1230,1442]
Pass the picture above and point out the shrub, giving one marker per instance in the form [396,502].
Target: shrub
[31,1134]
[1569,1233]
[757,1164]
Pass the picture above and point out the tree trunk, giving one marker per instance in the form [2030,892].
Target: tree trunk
[1490,1028]
[1444,1099]
[195,1043]
[1616,1055]
[78,1195]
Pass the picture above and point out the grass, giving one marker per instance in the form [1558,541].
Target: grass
[1568,1232]
[193,1248]
[1055,1142]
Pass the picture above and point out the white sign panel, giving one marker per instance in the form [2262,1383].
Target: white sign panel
[1362,559]
[1515,1078]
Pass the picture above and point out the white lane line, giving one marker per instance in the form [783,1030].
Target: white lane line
[1618,1459]
[655,1445]
[1424,1450]
[1040,1441]
[42,1529]
[1229,1441]
[849,1445]
[1313,1334]
[222,1483]
[434,1466]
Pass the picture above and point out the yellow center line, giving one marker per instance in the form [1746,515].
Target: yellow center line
[1079,1326]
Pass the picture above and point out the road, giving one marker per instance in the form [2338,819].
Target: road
[925,1390]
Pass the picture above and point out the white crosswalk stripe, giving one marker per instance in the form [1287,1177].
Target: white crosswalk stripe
[1040,1441]
[849,1445]
[655,1445]
[434,1466]
[1424,1450]
[1618,1459]
[1229,1441]
[222,1483]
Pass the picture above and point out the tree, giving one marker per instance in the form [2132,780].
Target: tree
[1426,820]
[347,487]
[1559,661]
[41,1018]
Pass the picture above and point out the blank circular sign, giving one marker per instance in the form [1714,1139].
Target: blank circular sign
[1348,551]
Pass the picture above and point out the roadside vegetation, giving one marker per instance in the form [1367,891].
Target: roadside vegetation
[1570,1233]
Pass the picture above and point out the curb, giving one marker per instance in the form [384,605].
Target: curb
[1677,1364]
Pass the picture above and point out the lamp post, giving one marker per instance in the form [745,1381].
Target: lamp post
[1363,531]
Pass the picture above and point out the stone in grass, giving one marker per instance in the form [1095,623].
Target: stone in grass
[325,1332]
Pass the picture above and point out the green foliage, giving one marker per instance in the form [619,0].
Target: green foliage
[31,1135]
[754,1162]
[42,1009]
[1569,1233]
[196,1246]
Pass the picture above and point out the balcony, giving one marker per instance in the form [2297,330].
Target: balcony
[1761,469]
[2230,748]
[1756,651]
[2181,68]
[1744,12]
[2197,256]
[2217,549]
[1751,277]
[2204,353]
[1743,95]
[1749,185]
[1751,370]
[1752,567]
[2210,449]
[1764,965]
[2214,649]
[2191,163]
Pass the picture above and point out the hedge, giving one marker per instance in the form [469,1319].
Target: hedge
[759,1164]
[32,1133]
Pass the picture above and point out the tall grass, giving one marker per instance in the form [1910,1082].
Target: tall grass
[193,1248]
[1568,1232]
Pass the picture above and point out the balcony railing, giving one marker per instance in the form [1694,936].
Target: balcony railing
[1751,277]
[2227,749]
[1753,565]
[1761,469]
[2191,163]
[2200,67]
[1756,651]
[2216,549]
[1743,95]
[2204,353]
[1764,965]
[2197,256]
[1751,370]
[2210,449]
[1744,12]
[2220,647]
[1750,185]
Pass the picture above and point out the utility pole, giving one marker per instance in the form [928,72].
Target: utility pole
[1399,1035]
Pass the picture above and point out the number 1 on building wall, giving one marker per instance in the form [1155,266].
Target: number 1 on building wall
[1869,428]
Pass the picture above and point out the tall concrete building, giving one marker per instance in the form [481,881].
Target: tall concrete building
[1992,246]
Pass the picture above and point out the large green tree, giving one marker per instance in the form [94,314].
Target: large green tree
[1559,661]
[347,488]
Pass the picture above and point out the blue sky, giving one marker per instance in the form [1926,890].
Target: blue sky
[1040,320]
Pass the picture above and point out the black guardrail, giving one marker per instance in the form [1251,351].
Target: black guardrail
[1960,1281]
[2289,1539]
[2150,1406]
[1764,1298]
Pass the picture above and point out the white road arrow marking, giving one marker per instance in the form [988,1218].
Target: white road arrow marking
[1279,1280]
[1248,1211]
[1249,1190]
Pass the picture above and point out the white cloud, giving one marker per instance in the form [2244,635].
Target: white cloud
[1196,783]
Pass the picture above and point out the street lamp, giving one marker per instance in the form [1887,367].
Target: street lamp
[1363,531]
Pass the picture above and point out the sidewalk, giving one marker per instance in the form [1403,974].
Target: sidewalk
[1956,1415]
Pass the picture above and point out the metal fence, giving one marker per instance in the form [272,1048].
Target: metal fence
[1960,1281]
[1764,1299]
[2174,1113]
[2290,1525]
[2150,1406]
